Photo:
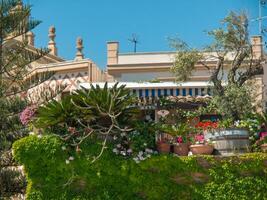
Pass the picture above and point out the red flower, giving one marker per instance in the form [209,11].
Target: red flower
[179,139]
[207,125]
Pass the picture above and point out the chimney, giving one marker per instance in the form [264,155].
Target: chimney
[52,43]
[79,47]
[30,38]
[256,42]
[112,53]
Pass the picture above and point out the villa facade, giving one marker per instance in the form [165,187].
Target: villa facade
[152,69]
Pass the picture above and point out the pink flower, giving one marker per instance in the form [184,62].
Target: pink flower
[27,114]
[263,135]
[199,138]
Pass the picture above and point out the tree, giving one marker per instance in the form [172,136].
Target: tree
[15,77]
[236,63]
[15,60]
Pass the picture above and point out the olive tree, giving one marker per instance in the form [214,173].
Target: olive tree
[229,59]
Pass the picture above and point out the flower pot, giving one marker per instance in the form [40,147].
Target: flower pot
[181,149]
[201,149]
[264,147]
[163,147]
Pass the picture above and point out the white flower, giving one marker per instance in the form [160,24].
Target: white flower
[31,133]
[123,153]
[115,150]
[67,162]
[145,144]
[71,158]
[190,153]
[39,136]
[119,145]
[123,134]
[115,138]
[148,155]
[141,158]
[63,148]
[149,150]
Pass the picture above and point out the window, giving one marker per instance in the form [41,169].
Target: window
[140,93]
[171,92]
[153,92]
[202,91]
[177,92]
[196,91]
[159,92]
[134,92]
[190,92]
[147,92]
[165,92]
[184,92]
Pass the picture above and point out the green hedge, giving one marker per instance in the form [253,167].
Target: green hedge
[160,177]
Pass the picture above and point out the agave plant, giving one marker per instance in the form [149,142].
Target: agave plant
[57,113]
[100,111]
[114,105]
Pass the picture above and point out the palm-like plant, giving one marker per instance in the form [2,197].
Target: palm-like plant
[109,105]
[101,111]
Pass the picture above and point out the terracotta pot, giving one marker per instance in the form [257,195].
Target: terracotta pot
[201,149]
[264,147]
[163,147]
[181,149]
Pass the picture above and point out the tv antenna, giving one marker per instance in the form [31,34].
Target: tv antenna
[260,18]
[135,40]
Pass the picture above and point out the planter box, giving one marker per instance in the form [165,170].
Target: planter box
[230,141]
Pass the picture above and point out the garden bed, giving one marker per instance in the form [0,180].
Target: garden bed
[116,177]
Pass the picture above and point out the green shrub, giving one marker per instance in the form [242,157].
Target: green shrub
[114,177]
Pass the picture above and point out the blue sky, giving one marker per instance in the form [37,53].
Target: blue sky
[99,21]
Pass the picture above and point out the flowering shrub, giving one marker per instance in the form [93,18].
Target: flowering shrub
[263,139]
[27,114]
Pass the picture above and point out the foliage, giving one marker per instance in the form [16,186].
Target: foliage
[11,181]
[228,76]
[143,136]
[160,177]
[97,112]
[236,102]
[57,113]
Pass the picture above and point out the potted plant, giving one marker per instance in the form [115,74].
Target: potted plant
[163,146]
[181,146]
[262,142]
[201,146]
[177,135]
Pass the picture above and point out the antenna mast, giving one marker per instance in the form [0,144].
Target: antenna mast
[260,18]
[134,39]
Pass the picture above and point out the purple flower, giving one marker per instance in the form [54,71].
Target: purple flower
[27,114]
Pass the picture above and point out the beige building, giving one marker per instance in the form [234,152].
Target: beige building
[155,66]
[67,74]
